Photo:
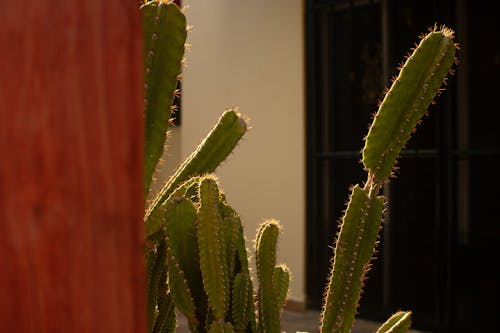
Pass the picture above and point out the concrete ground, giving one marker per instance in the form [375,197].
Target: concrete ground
[300,322]
[309,322]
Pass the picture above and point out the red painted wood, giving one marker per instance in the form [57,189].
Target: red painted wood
[71,134]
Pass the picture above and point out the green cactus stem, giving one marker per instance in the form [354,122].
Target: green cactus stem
[165,321]
[182,263]
[399,322]
[229,230]
[220,327]
[156,270]
[240,310]
[265,257]
[281,281]
[353,252]
[211,262]
[251,303]
[418,82]
[164,29]
[241,250]
[214,149]
[404,105]
[181,293]
[157,220]
[180,233]
[216,327]
[228,328]
[170,323]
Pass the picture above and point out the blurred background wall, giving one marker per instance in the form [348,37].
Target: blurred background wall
[250,54]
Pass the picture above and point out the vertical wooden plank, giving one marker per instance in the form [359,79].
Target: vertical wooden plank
[71,134]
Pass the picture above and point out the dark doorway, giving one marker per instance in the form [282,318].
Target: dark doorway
[437,254]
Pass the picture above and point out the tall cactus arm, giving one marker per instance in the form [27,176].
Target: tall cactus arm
[252,328]
[182,256]
[170,323]
[353,252]
[407,100]
[180,232]
[164,28]
[210,248]
[240,309]
[241,250]
[281,281]
[157,266]
[214,149]
[165,321]
[181,293]
[399,322]
[230,229]
[265,256]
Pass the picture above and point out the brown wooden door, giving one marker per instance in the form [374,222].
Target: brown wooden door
[71,167]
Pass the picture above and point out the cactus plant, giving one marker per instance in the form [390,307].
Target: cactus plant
[273,280]
[206,261]
[196,257]
[419,81]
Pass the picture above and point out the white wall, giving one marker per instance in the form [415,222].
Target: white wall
[251,54]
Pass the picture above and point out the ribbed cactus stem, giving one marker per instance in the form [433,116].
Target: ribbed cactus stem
[216,327]
[406,102]
[210,247]
[165,321]
[230,228]
[265,256]
[221,327]
[399,322]
[214,149]
[154,277]
[281,281]
[181,293]
[353,252]
[170,323]
[157,221]
[164,29]
[240,310]
[180,232]
[251,304]
[227,253]
[241,250]
[182,255]
[228,328]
